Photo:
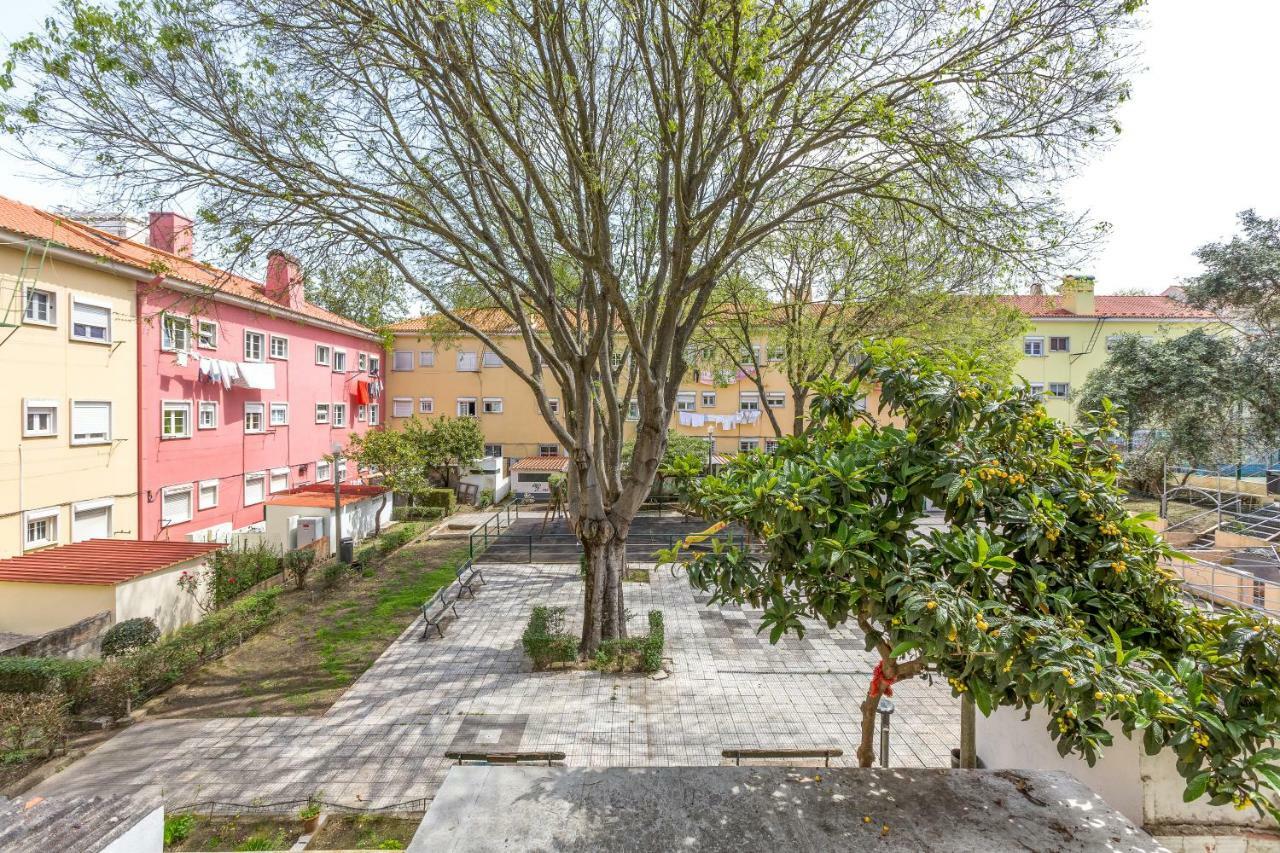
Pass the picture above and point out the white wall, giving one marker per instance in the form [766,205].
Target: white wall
[158,596]
[523,487]
[358,521]
[490,474]
[146,836]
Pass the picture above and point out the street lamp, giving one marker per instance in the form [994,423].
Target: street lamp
[337,500]
[711,446]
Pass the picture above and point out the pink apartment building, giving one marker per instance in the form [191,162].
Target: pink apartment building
[243,389]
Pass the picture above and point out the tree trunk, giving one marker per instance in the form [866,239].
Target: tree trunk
[377,517]
[603,616]
[801,395]
[866,748]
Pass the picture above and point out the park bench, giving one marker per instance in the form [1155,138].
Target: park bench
[434,610]
[825,754]
[468,575]
[505,757]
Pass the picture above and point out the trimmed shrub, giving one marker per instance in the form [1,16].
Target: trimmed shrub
[634,654]
[39,675]
[129,636]
[545,640]
[32,724]
[334,572]
[443,498]
[417,513]
[111,689]
[654,644]
[296,566]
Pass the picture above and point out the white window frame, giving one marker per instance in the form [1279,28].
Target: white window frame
[746,397]
[1112,340]
[255,475]
[375,411]
[203,406]
[200,489]
[51,514]
[339,361]
[489,448]
[426,405]
[633,410]
[543,448]
[399,357]
[686,401]
[201,327]
[323,353]
[362,362]
[273,409]
[338,415]
[362,413]
[775,399]
[1066,390]
[71,423]
[770,445]
[271,480]
[1037,388]
[748,445]
[468,361]
[191,504]
[491,405]
[553,404]
[1065,348]
[261,338]
[178,322]
[491,359]
[324,471]
[259,409]
[375,365]
[167,406]
[708,399]
[271,346]
[341,467]
[322,413]
[777,354]
[426,358]
[109,504]
[396,409]
[28,405]
[88,303]
[469,402]
[1033,346]
[51,303]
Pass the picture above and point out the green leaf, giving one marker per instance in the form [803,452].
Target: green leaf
[1196,787]
[1270,774]
[903,647]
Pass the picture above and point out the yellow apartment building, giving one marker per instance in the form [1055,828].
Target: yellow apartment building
[1072,333]
[68,415]
[431,375]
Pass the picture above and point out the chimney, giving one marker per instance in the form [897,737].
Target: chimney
[1077,294]
[284,279]
[172,232]
[1037,289]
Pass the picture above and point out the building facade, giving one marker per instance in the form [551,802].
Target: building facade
[1072,333]
[68,414]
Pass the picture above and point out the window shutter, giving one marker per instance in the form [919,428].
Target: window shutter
[92,523]
[279,480]
[253,489]
[177,506]
[92,315]
[90,421]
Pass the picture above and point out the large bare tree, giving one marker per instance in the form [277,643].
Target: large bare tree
[591,168]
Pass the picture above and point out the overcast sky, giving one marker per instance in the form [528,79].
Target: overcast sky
[1200,140]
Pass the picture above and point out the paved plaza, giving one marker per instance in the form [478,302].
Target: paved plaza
[383,743]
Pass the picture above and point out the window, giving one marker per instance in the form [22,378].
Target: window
[39,418]
[362,413]
[175,505]
[1037,388]
[777,353]
[746,445]
[1112,340]
[427,358]
[1060,344]
[491,359]
[342,470]
[322,354]
[401,407]
[208,414]
[494,450]
[426,405]
[374,413]
[685,401]
[175,420]
[708,399]
[375,364]
[42,307]
[90,422]
[208,494]
[279,414]
[548,450]
[207,334]
[775,399]
[534,477]
[279,480]
[770,445]
[90,322]
[492,405]
[279,346]
[748,401]
[466,407]
[750,355]
[255,486]
[1059,389]
[40,527]
[322,413]
[255,343]
[553,404]
[253,417]
[324,470]
[91,520]
[339,361]
[1033,347]
[633,411]
[340,415]
[175,333]
[402,360]
[467,361]
[362,362]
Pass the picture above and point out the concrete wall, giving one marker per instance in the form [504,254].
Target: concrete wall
[158,597]
[81,639]
[36,608]
[358,521]
[145,836]
[44,363]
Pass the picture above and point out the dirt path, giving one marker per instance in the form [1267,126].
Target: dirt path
[321,643]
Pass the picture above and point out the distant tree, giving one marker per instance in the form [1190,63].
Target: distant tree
[396,456]
[450,444]
[368,291]
[1039,590]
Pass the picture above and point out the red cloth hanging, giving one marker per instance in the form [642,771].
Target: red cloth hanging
[362,392]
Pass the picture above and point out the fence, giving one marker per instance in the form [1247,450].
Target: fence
[1227,586]
[491,529]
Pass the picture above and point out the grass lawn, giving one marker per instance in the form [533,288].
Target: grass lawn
[322,642]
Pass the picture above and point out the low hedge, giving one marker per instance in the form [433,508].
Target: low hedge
[654,644]
[41,675]
[545,640]
[418,513]
[634,654]
[443,498]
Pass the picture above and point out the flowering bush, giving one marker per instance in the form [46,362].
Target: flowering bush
[228,574]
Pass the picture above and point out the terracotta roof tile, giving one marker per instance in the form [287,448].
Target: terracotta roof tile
[489,320]
[321,495]
[1142,307]
[32,222]
[101,562]
[541,463]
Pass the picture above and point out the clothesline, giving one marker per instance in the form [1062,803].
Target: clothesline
[725,422]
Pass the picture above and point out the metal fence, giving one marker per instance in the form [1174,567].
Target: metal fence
[1223,585]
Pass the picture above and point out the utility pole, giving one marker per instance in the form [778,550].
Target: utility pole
[337,501]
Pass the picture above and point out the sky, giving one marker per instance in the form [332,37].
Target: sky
[1199,141]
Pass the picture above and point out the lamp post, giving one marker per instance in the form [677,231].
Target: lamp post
[337,500]
[711,446]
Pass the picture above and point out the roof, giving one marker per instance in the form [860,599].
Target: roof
[39,224]
[1139,307]
[101,562]
[321,495]
[77,824]
[495,321]
[541,463]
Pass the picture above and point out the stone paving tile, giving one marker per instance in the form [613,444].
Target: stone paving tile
[383,742]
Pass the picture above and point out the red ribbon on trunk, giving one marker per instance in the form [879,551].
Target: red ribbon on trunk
[881,684]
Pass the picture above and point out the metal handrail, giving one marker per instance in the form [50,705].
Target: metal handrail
[1252,592]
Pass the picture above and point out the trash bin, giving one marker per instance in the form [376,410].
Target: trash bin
[1273,481]
[346,550]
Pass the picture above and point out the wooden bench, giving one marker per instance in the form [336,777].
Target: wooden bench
[825,754]
[434,610]
[505,757]
[468,575]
